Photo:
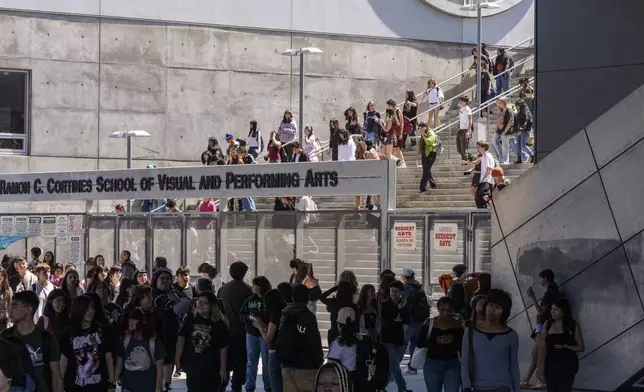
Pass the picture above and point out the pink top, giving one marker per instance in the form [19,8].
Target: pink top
[207,206]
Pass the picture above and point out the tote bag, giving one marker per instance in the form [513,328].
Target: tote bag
[420,354]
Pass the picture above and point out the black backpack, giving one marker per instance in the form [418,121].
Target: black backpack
[375,354]
[291,341]
[458,294]
[510,64]
[419,308]
[11,335]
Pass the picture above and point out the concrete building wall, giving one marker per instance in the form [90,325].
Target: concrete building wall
[592,63]
[93,76]
[582,217]
[406,19]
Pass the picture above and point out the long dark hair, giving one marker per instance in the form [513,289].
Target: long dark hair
[349,276]
[348,334]
[411,97]
[567,321]
[99,310]
[139,293]
[61,318]
[274,304]
[253,129]
[78,311]
[344,295]
[362,298]
[5,290]
[53,258]
[284,121]
[350,114]
[124,288]
[64,287]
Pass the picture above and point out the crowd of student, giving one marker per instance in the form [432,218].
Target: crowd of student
[119,327]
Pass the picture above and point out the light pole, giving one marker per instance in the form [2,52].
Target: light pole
[128,135]
[301,53]
[478,7]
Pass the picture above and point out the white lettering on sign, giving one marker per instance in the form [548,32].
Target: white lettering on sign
[405,235]
[445,237]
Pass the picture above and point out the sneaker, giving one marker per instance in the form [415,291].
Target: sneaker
[402,164]
[422,193]
[525,385]
[518,162]
[411,370]
[532,159]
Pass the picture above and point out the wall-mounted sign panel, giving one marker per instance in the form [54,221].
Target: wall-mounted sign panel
[368,177]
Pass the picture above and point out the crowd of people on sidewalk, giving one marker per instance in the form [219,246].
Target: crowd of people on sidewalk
[59,332]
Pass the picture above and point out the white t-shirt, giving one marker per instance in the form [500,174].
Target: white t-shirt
[487,161]
[433,96]
[346,355]
[464,117]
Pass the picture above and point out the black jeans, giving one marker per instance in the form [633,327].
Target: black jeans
[461,143]
[237,362]
[484,189]
[428,162]
[560,375]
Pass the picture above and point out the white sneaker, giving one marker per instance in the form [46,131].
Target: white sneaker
[402,165]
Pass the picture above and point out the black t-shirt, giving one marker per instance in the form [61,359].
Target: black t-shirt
[507,117]
[444,344]
[370,320]
[549,297]
[204,339]
[393,319]
[85,352]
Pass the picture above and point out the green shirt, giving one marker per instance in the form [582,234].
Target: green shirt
[34,343]
[430,142]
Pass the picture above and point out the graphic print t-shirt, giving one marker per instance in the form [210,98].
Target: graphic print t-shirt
[204,339]
[393,319]
[139,368]
[34,344]
[85,352]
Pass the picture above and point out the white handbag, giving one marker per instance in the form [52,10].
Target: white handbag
[420,354]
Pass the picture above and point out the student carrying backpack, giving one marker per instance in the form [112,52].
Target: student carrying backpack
[28,366]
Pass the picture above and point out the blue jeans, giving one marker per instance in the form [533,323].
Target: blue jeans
[411,336]
[523,151]
[256,346]
[501,146]
[396,354]
[502,83]
[275,370]
[439,374]
[248,204]
[371,136]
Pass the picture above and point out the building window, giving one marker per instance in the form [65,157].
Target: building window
[14,112]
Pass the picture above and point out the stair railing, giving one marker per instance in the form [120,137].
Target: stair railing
[531,40]
[487,104]
[456,97]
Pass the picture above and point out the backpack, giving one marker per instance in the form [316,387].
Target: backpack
[151,342]
[372,362]
[283,156]
[419,308]
[406,126]
[241,142]
[458,295]
[11,335]
[510,64]
[291,340]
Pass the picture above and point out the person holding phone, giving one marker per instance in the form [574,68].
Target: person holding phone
[546,281]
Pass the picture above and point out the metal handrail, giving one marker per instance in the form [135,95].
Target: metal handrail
[473,87]
[469,69]
[265,154]
[485,105]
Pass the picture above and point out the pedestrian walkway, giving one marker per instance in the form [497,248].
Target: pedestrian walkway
[414,382]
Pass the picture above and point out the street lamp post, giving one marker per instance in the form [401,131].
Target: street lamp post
[128,135]
[301,53]
[479,35]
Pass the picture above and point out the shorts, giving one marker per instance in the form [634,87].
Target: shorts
[389,138]
[476,179]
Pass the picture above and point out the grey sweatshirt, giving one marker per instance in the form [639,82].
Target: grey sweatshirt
[496,362]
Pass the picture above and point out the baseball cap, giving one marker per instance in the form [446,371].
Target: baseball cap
[229,136]
[407,272]
[346,315]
